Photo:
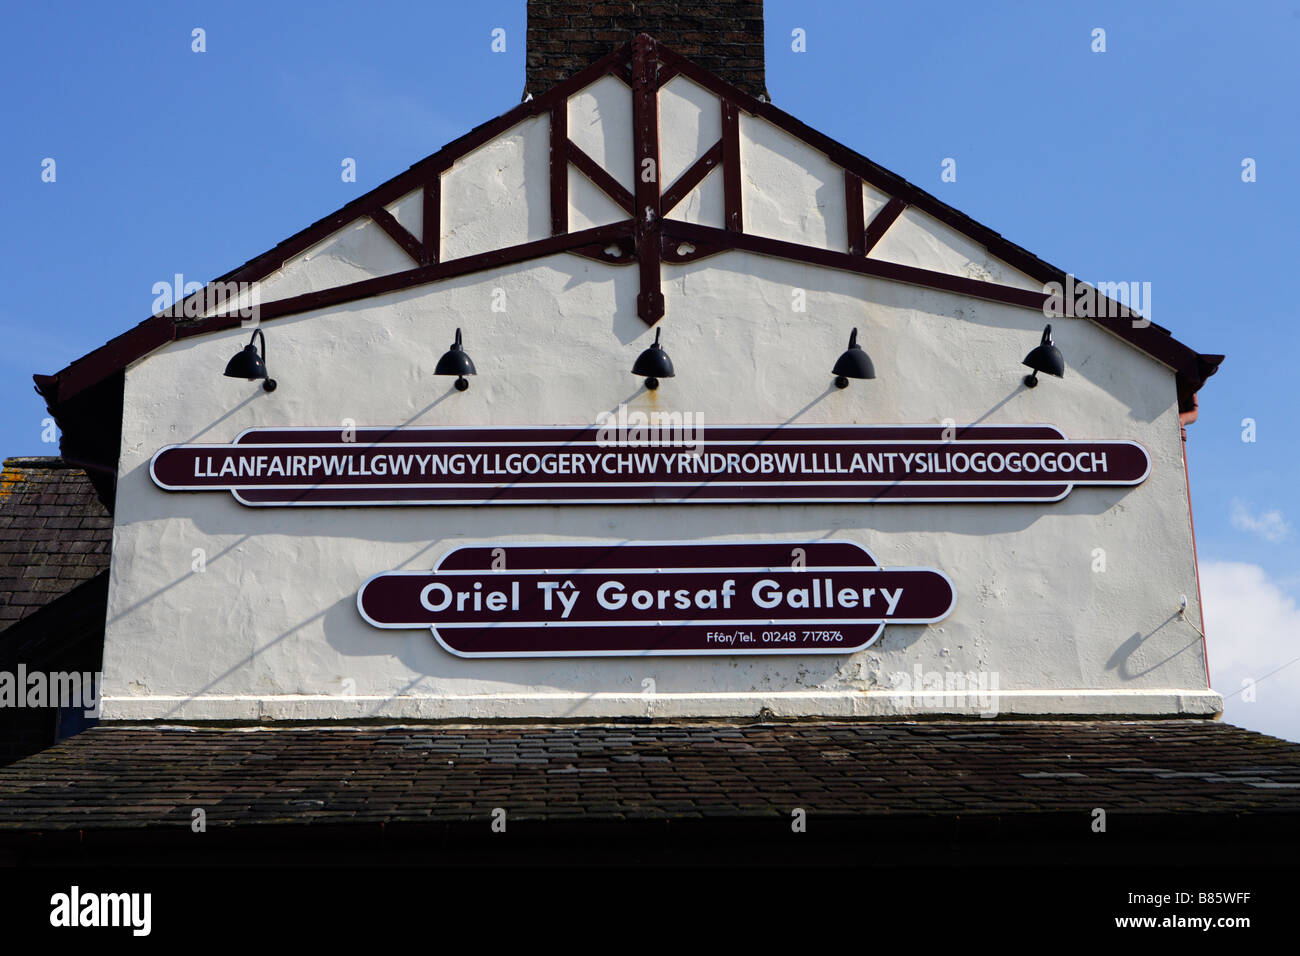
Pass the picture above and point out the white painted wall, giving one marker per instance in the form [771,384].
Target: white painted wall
[789,190]
[695,116]
[497,195]
[918,239]
[270,629]
[360,250]
[409,212]
[600,124]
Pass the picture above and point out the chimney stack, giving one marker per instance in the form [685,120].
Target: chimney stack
[725,37]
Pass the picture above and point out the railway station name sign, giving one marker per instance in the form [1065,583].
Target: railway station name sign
[574,465]
[634,599]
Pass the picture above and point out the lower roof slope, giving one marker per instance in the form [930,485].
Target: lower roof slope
[123,777]
[55,534]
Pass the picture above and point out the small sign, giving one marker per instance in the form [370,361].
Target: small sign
[729,464]
[591,600]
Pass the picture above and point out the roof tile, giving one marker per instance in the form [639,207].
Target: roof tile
[154,776]
[54,534]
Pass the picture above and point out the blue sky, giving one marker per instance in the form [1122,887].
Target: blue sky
[1122,165]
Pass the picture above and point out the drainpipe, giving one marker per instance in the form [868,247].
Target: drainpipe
[1184,419]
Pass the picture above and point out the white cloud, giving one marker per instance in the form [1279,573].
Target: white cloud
[1270,525]
[1252,629]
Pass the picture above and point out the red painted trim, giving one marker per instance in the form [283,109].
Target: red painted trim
[624,250]
[976,288]
[560,168]
[603,181]
[583,242]
[432,228]
[137,342]
[622,70]
[1152,339]
[113,356]
[1185,419]
[691,178]
[666,73]
[682,250]
[648,218]
[386,221]
[1192,369]
[853,212]
[1196,561]
[733,217]
[881,222]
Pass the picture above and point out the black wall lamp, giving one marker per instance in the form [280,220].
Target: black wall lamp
[248,364]
[654,364]
[456,361]
[854,363]
[1045,358]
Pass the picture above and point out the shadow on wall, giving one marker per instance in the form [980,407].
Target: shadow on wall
[1083,343]
[186,576]
[421,655]
[431,531]
[249,659]
[1127,657]
[627,326]
[607,521]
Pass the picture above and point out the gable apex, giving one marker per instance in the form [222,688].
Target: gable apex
[874,230]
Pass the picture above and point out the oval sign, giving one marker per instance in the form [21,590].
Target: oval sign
[580,600]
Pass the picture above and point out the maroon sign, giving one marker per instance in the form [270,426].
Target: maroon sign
[723,464]
[589,600]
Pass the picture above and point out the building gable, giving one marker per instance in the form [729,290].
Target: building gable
[558,175]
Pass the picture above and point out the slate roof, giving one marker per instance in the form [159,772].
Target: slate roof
[116,777]
[55,534]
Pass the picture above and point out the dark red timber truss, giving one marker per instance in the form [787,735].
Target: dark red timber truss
[647,237]
[647,226]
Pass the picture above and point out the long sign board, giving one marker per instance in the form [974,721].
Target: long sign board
[725,464]
[632,599]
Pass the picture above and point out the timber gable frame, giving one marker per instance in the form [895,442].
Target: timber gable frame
[646,238]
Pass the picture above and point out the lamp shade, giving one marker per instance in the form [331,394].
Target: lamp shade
[654,364]
[854,363]
[248,363]
[456,361]
[1045,358]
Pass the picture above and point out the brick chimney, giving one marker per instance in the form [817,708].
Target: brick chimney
[723,36]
